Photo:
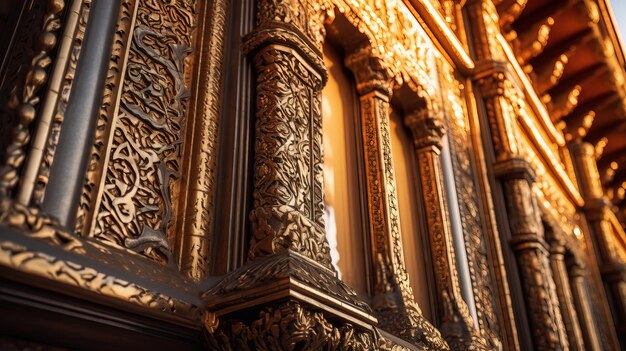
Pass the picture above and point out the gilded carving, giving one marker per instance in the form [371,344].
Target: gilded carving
[288,207]
[289,326]
[556,241]
[396,38]
[143,165]
[469,208]
[457,326]
[37,224]
[198,199]
[25,96]
[289,266]
[532,257]
[394,303]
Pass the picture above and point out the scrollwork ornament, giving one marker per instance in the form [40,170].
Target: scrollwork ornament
[144,158]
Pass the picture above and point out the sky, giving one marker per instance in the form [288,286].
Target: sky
[619,9]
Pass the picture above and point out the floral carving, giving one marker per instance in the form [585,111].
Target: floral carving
[288,206]
[144,158]
[289,326]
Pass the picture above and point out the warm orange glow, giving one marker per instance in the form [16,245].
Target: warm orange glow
[406,182]
[344,223]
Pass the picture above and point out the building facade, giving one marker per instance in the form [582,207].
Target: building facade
[312,175]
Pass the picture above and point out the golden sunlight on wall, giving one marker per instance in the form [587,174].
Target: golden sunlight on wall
[406,182]
[344,222]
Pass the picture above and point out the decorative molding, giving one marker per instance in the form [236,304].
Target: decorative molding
[557,241]
[288,326]
[199,180]
[531,252]
[457,325]
[393,303]
[107,117]
[459,137]
[26,95]
[34,244]
[289,266]
[144,155]
[65,88]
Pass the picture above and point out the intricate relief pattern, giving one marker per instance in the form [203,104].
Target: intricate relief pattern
[393,303]
[144,159]
[288,200]
[198,196]
[305,15]
[289,326]
[532,257]
[36,224]
[397,38]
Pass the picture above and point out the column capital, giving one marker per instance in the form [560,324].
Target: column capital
[576,267]
[515,168]
[427,126]
[370,72]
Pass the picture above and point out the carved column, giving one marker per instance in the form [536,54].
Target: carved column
[457,326]
[531,253]
[564,292]
[597,210]
[576,270]
[291,296]
[394,303]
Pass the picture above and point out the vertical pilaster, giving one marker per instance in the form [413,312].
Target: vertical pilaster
[563,289]
[597,210]
[290,293]
[457,325]
[394,303]
[531,253]
[576,270]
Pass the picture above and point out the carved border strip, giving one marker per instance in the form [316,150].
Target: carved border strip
[26,97]
[61,105]
[469,208]
[197,205]
[71,260]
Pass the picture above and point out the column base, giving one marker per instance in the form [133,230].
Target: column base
[287,301]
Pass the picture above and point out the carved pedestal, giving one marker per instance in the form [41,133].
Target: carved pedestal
[457,326]
[531,253]
[394,303]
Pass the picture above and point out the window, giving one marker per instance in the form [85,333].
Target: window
[345,223]
[413,241]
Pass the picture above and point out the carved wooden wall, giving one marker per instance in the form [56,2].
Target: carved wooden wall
[150,229]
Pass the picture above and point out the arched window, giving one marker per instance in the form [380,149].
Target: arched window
[413,240]
[344,221]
